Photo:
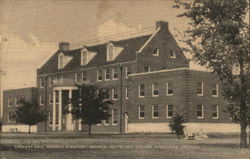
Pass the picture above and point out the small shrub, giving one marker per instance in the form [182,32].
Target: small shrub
[176,125]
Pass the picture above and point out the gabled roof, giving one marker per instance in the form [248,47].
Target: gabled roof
[128,54]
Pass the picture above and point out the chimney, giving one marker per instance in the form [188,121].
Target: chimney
[64,46]
[162,24]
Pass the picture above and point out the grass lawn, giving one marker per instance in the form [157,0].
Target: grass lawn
[119,146]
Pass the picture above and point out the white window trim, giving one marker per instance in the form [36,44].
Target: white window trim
[153,112]
[126,92]
[153,89]
[41,86]
[168,89]
[157,52]
[202,112]
[97,76]
[113,117]
[105,73]
[49,118]
[15,100]
[76,77]
[40,100]
[9,101]
[50,97]
[217,111]
[202,89]
[59,61]
[105,123]
[173,57]
[169,117]
[113,94]
[113,74]
[139,112]
[217,91]
[139,90]
[82,77]
[108,58]
[126,71]
[82,53]
[149,68]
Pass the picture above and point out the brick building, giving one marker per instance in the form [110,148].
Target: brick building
[148,78]
[11,100]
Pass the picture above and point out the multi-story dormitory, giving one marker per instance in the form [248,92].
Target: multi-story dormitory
[148,78]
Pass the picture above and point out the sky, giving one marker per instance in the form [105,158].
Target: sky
[31,30]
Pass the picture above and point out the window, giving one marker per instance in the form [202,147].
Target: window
[50,118]
[141,112]
[106,91]
[9,101]
[110,53]
[11,117]
[170,90]
[115,73]
[141,90]
[128,92]
[128,71]
[57,97]
[76,77]
[155,91]
[50,81]
[155,111]
[50,99]
[170,111]
[146,68]
[41,82]
[60,61]
[99,75]
[200,111]
[172,54]
[156,52]
[106,122]
[114,94]
[215,111]
[114,116]
[200,88]
[41,100]
[84,57]
[84,77]
[16,104]
[107,77]
[215,89]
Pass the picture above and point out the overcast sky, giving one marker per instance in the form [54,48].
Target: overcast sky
[32,29]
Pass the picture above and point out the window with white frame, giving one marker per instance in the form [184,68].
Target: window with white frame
[84,57]
[11,117]
[155,111]
[99,75]
[127,70]
[128,92]
[146,68]
[114,116]
[141,112]
[107,121]
[141,90]
[215,111]
[172,54]
[50,98]
[155,91]
[41,82]
[50,116]
[114,93]
[215,90]
[76,77]
[16,101]
[107,92]
[200,111]
[199,90]
[107,74]
[60,61]
[170,89]
[57,96]
[41,100]
[50,81]
[170,111]
[115,73]
[9,101]
[110,52]
[84,77]
[156,52]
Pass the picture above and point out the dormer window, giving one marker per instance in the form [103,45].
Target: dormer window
[156,52]
[60,61]
[172,54]
[84,57]
[110,52]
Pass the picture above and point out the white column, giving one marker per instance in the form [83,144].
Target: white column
[54,111]
[60,111]
[69,115]
[80,124]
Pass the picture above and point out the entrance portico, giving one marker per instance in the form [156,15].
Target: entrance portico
[59,122]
